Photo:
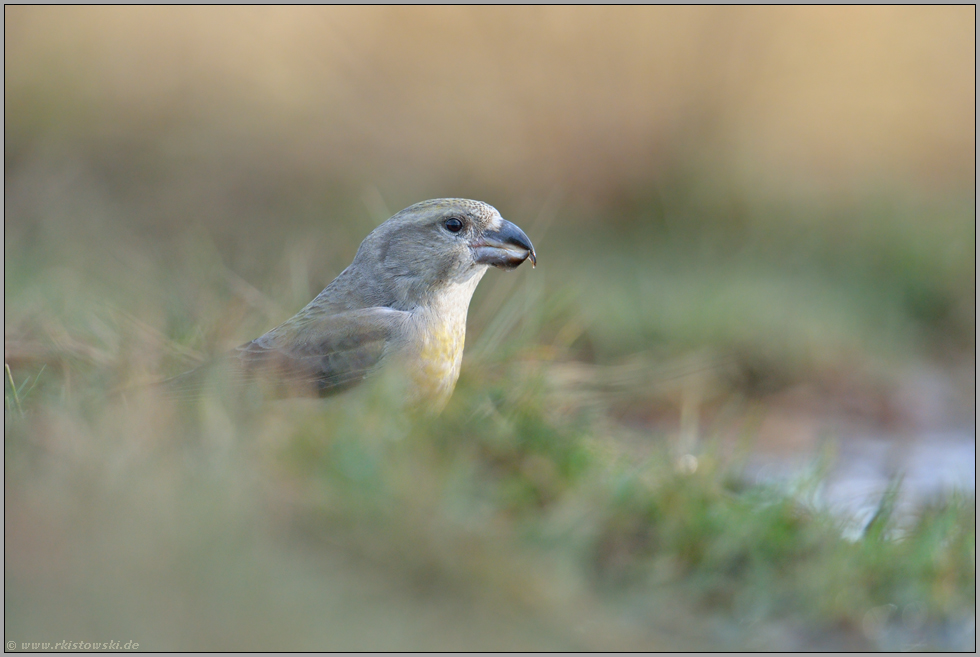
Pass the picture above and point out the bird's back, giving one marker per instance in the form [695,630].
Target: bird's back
[314,353]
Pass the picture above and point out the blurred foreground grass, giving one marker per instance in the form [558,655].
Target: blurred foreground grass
[501,525]
[531,514]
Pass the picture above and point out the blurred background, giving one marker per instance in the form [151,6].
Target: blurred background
[750,222]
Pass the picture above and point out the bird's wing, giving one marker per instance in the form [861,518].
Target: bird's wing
[328,351]
[312,353]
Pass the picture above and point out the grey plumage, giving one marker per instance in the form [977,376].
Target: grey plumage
[404,298]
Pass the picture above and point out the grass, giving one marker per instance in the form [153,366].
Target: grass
[189,526]
[551,506]
[524,517]
[178,184]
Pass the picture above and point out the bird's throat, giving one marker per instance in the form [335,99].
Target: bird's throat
[442,333]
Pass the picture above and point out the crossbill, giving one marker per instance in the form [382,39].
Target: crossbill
[404,298]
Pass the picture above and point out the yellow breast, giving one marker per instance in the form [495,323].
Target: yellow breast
[439,358]
[439,330]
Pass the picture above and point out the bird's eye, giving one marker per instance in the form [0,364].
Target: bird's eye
[453,225]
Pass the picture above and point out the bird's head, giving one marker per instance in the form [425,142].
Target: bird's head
[443,242]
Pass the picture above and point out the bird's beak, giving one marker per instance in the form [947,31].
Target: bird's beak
[507,247]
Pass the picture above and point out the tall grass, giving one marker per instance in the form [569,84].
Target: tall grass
[523,517]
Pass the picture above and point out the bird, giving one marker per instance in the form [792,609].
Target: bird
[403,299]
